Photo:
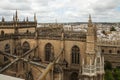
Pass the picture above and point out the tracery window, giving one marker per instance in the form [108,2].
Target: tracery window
[110,51]
[2,32]
[26,46]
[7,50]
[48,52]
[102,51]
[75,55]
[118,52]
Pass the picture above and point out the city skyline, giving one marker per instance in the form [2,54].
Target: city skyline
[62,11]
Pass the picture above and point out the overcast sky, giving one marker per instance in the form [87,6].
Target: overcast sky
[62,10]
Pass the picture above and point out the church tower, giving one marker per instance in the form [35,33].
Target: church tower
[90,41]
[93,64]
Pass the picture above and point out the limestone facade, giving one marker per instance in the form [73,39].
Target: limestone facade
[31,50]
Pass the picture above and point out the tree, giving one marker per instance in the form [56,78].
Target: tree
[108,75]
[108,65]
[116,74]
[112,29]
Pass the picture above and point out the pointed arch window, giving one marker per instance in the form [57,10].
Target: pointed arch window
[118,52]
[48,52]
[102,51]
[2,33]
[75,55]
[7,50]
[26,46]
[110,51]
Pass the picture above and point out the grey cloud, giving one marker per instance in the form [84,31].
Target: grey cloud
[19,1]
[5,13]
[41,2]
[67,10]
[13,5]
[105,5]
[18,7]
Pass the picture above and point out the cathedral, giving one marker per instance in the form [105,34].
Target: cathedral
[49,53]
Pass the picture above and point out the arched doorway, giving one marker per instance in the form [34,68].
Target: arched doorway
[49,52]
[74,76]
[75,55]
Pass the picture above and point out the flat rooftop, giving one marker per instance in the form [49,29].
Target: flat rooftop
[6,77]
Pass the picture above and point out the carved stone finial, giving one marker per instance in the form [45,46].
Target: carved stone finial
[3,19]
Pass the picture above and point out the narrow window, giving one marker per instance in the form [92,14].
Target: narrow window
[48,52]
[110,51]
[26,46]
[75,55]
[7,50]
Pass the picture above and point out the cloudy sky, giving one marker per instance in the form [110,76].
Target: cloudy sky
[62,10]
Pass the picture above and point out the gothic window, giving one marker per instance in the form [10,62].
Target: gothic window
[110,51]
[48,51]
[118,52]
[27,31]
[74,76]
[24,65]
[7,50]
[75,55]
[102,51]
[18,49]
[26,46]
[2,32]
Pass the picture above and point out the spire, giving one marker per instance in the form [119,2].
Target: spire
[90,21]
[35,19]
[90,17]
[16,16]
[3,19]
[27,19]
